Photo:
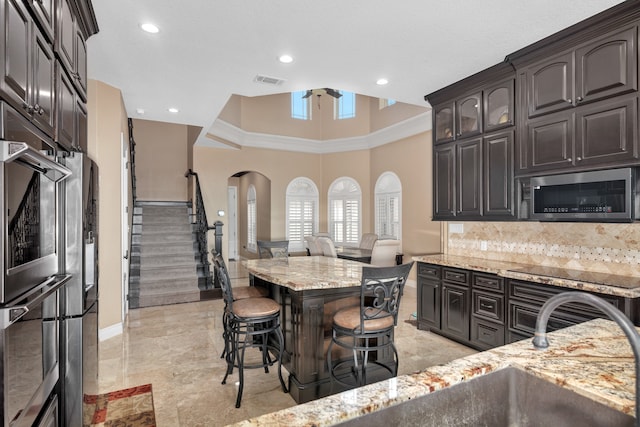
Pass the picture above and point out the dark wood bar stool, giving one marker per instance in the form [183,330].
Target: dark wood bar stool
[366,331]
[248,323]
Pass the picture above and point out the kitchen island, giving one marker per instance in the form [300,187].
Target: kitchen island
[593,359]
[310,290]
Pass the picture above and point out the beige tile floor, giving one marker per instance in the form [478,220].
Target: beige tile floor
[177,349]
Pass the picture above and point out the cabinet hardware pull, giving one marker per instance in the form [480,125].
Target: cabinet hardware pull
[579,99]
[569,160]
[578,159]
[570,101]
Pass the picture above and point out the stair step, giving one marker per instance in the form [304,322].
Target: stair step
[165,262]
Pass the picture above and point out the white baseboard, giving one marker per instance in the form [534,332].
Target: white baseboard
[110,331]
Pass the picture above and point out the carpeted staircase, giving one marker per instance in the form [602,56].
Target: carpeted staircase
[164,266]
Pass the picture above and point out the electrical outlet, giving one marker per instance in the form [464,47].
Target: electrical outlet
[483,245]
[456,228]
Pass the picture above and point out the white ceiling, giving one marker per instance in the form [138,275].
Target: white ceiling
[207,50]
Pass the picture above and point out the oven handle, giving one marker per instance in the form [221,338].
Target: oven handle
[10,314]
[22,152]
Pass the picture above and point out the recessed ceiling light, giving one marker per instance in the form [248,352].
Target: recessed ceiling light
[140,110]
[149,28]
[173,110]
[285,59]
[382,82]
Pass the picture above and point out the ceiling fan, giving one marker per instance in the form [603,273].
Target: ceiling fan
[323,91]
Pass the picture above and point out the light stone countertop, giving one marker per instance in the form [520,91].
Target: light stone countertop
[307,272]
[593,359]
[604,283]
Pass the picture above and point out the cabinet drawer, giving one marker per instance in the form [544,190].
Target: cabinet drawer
[488,282]
[537,294]
[456,276]
[522,319]
[488,305]
[429,270]
[485,334]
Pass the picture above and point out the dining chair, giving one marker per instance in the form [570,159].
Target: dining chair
[273,248]
[313,248]
[384,253]
[248,323]
[327,246]
[367,240]
[367,330]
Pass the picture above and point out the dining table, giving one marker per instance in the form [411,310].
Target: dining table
[310,290]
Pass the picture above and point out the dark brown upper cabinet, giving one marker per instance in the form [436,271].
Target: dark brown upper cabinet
[498,106]
[595,70]
[466,176]
[469,177]
[444,123]
[70,45]
[498,177]
[469,115]
[44,12]
[581,102]
[444,205]
[607,66]
[549,85]
[27,63]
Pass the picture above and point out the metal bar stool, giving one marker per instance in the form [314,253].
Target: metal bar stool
[241,292]
[248,323]
[367,330]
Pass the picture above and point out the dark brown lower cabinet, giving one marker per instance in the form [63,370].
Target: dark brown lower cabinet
[484,311]
[455,311]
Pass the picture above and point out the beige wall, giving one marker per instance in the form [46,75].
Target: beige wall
[161,160]
[107,124]
[392,114]
[410,159]
[215,167]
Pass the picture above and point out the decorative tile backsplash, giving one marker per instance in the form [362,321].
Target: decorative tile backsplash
[598,247]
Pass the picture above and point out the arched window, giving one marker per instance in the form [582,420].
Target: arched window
[252,218]
[345,199]
[302,212]
[388,202]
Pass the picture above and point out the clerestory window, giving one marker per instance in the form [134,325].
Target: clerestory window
[345,106]
[300,107]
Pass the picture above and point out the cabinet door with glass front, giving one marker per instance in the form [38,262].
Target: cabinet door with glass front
[469,115]
[498,106]
[444,126]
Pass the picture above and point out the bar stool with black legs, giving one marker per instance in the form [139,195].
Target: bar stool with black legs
[366,331]
[242,292]
[249,323]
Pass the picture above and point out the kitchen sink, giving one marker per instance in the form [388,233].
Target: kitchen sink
[508,397]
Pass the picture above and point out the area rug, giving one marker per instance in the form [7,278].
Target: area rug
[131,407]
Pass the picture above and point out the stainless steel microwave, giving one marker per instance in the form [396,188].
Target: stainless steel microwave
[601,196]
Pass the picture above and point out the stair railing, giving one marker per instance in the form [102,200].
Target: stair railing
[24,228]
[202,229]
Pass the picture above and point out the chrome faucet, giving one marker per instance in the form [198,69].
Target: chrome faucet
[540,339]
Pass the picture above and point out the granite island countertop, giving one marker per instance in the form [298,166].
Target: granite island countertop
[604,283]
[593,359]
[307,272]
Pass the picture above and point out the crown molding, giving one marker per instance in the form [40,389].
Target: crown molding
[236,138]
